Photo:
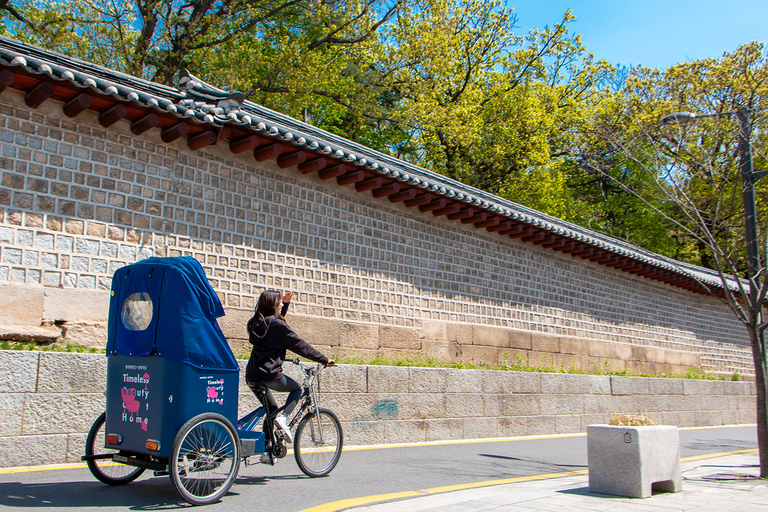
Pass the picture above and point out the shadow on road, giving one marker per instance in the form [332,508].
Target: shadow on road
[152,493]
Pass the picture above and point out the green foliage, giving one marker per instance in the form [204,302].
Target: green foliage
[53,347]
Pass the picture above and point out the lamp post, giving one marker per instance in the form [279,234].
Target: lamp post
[748,180]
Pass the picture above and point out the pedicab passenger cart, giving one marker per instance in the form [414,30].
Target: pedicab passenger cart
[172,384]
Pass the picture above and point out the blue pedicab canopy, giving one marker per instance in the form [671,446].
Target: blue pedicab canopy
[166,307]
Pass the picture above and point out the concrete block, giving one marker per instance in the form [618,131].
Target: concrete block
[364,432]
[359,336]
[520,339]
[493,405]
[234,323]
[445,351]
[75,447]
[569,424]
[632,461]
[561,404]
[444,429]
[521,405]
[388,379]
[545,343]
[464,334]
[405,431]
[360,406]
[439,331]
[464,406]
[522,382]
[72,373]
[600,404]
[482,355]
[480,428]
[465,381]
[344,378]
[10,406]
[316,330]
[491,336]
[630,385]
[33,450]
[402,338]
[422,406]
[576,346]
[21,304]
[18,371]
[665,386]
[76,305]
[61,413]
[426,380]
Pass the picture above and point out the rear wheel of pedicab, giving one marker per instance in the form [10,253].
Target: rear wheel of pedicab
[317,447]
[104,468]
[205,457]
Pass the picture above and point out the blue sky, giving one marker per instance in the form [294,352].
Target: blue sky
[653,33]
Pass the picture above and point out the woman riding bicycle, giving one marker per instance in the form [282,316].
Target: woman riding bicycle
[271,336]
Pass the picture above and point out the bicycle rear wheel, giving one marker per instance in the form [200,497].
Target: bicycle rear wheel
[317,447]
[103,468]
[205,457]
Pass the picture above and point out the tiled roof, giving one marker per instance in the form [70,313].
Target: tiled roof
[205,107]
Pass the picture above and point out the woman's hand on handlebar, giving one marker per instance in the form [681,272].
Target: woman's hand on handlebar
[330,362]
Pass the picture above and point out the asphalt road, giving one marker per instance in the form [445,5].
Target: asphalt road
[361,472]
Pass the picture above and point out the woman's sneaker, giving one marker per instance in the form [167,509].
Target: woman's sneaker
[282,422]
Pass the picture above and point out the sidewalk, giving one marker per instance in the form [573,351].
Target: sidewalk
[717,484]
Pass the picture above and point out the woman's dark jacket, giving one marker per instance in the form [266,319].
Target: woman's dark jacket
[270,338]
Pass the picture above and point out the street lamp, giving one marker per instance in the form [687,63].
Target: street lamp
[748,180]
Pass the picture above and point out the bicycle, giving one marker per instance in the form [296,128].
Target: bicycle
[318,440]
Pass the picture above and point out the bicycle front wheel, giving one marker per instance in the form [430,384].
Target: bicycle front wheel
[100,459]
[205,457]
[318,443]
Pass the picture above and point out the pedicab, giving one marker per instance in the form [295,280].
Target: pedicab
[172,391]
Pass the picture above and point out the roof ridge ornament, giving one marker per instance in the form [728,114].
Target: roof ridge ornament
[196,88]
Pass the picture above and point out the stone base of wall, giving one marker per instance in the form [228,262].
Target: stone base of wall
[48,402]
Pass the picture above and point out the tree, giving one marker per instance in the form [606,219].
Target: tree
[696,175]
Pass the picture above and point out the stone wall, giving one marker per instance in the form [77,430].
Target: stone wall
[78,201]
[48,402]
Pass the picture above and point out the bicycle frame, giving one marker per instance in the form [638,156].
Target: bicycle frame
[308,403]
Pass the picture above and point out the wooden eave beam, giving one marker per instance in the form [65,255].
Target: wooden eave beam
[547,239]
[478,217]
[243,144]
[514,229]
[77,105]
[461,214]
[333,172]
[172,133]
[350,177]
[433,205]
[113,115]
[567,246]
[289,160]
[269,152]
[526,232]
[314,165]
[534,237]
[143,124]
[451,208]
[369,184]
[493,221]
[201,140]
[39,94]
[405,195]
[6,79]
[501,226]
[419,199]
[387,190]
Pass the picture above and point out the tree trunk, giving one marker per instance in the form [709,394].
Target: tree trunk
[758,354]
